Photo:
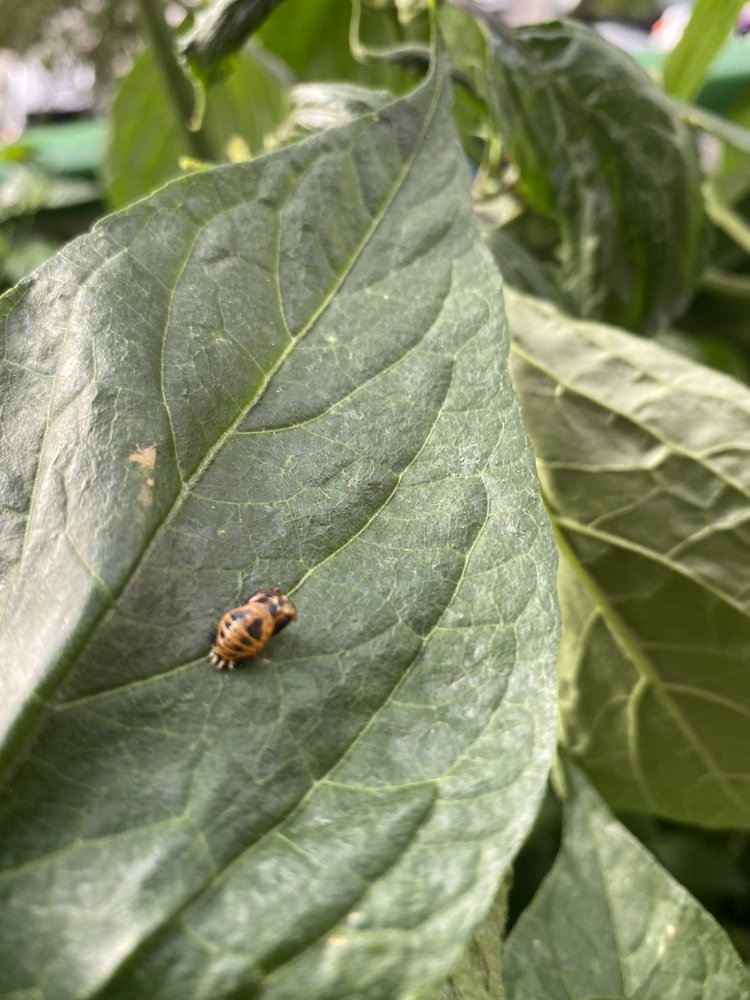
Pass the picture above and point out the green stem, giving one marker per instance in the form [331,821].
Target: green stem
[726,218]
[177,83]
[732,286]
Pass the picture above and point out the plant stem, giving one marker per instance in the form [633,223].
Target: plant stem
[179,87]
[723,216]
[732,286]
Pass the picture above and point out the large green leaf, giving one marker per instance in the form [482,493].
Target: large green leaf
[609,922]
[602,152]
[642,456]
[146,140]
[286,372]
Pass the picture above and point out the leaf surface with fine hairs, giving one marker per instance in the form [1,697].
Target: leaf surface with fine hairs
[292,373]
[642,455]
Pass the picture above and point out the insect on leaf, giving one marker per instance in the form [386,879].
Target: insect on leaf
[288,373]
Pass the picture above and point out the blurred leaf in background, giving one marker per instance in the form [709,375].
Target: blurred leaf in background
[602,152]
[146,142]
[642,457]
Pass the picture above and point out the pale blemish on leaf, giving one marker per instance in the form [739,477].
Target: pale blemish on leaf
[145,458]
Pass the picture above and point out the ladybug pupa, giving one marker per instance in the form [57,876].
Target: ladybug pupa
[245,630]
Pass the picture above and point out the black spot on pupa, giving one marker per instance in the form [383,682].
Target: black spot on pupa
[281,623]
[255,628]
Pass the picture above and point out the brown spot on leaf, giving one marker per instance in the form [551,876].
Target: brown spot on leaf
[145,459]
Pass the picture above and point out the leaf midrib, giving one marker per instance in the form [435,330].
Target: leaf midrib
[225,872]
[43,708]
[576,390]
[631,648]
[38,706]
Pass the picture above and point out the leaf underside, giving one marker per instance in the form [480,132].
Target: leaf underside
[609,922]
[602,152]
[289,372]
[642,457]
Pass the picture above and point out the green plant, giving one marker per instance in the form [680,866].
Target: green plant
[292,371]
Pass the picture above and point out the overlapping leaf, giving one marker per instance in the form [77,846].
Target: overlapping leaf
[602,152]
[286,372]
[643,458]
[479,974]
[609,922]
[146,142]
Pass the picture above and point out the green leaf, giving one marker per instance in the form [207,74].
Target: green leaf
[470,45]
[710,24]
[21,254]
[602,152]
[28,190]
[317,48]
[709,348]
[146,142]
[479,974]
[609,922]
[627,10]
[642,456]
[518,265]
[286,372]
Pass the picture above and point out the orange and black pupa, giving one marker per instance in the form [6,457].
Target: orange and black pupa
[245,630]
